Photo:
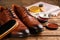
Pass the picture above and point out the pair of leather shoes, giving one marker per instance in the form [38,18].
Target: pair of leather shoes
[27,24]
[6,16]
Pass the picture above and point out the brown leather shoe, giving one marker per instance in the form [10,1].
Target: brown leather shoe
[32,23]
[6,15]
[6,26]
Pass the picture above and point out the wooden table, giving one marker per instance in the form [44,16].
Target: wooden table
[46,34]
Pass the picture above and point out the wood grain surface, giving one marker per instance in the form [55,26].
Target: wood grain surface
[46,34]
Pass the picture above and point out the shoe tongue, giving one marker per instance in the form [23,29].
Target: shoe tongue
[2,8]
[15,7]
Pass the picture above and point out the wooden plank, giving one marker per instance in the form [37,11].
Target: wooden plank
[8,3]
[47,38]
[28,38]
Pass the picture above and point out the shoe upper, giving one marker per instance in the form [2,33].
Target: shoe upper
[23,14]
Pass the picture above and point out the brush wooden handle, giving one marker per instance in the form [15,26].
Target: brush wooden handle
[8,31]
